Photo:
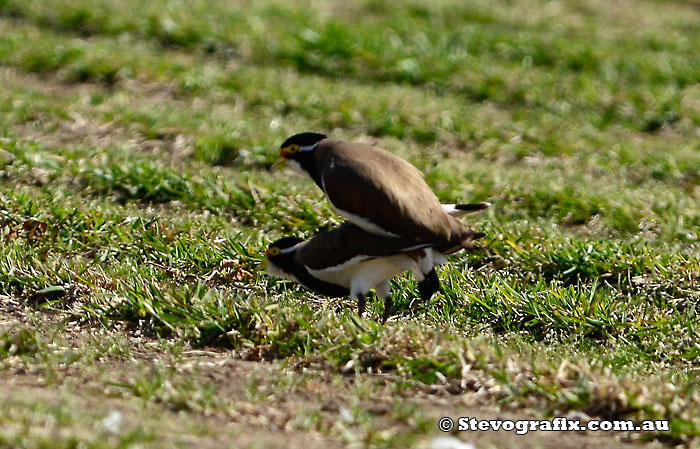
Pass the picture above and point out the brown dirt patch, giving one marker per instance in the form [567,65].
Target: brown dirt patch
[256,404]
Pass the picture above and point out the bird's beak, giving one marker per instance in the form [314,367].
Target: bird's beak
[262,266]
[279,164]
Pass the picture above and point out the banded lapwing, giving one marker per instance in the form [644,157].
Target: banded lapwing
[382,194]
[349,261]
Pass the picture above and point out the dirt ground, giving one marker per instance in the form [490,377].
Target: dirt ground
[263,401]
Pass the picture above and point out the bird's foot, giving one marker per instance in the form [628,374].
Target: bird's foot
[388,306]
[361,304]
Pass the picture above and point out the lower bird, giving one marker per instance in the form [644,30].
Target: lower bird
[349,261]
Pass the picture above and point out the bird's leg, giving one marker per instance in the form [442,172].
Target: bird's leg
[428,282]
[388,305]
[361,304]
[383,291]
[429,285]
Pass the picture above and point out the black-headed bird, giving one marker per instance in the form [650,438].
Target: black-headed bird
[349,261]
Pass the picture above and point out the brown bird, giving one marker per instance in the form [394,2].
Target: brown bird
[382,194]
[348,261]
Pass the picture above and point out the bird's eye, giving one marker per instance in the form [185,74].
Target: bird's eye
[293,148]
[274,251]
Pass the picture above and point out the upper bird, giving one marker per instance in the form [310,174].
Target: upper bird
[377,191]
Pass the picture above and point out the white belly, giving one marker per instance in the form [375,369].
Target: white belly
[364,275]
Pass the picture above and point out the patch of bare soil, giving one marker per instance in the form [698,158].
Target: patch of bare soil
[255,404]
[93,412]
[323,393]
[103,396]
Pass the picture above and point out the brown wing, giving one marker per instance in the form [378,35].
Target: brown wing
[382,188]
[339,245]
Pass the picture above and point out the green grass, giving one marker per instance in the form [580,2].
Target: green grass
[135,139]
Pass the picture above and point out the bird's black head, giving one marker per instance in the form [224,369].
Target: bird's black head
[282,263]
[277,247]
[299,143]
[280,254]
[297,153]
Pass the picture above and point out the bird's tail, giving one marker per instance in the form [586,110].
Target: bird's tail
[469,243]
[457,210]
